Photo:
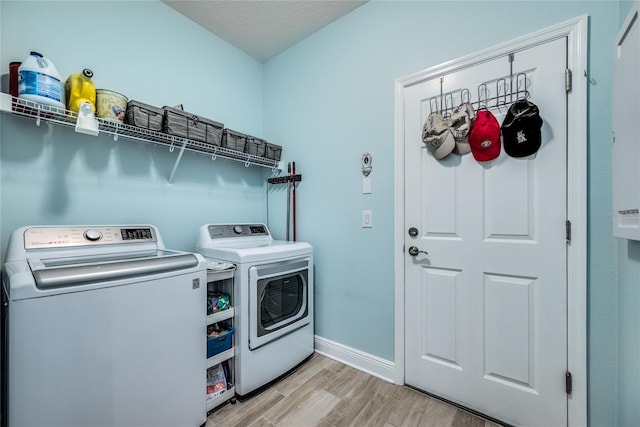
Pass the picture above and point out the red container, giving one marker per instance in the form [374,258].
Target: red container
[13,78]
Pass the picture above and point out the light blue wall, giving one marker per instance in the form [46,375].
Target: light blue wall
[628,281]
[331,98]
[150,53]
[326,100]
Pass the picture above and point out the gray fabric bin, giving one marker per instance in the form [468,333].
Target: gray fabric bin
[255,146]
[234,140]
[272,151]
[144,115]
[183,124]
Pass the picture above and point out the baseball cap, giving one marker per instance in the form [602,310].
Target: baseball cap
[484,137]
[460,121]
[437,136]
[521,129]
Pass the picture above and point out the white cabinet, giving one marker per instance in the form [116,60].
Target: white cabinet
[626,129]
[222,282]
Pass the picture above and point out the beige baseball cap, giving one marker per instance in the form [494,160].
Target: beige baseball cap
[461,120]
[437,136]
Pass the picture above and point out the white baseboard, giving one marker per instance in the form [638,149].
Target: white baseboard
[365,362]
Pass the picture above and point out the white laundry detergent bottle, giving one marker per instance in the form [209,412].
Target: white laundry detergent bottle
[39,81]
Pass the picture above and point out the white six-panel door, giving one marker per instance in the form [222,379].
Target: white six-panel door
[486,308]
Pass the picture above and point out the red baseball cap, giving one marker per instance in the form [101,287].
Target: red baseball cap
[484,137]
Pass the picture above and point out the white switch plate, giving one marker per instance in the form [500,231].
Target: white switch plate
[366,185]
[367,220]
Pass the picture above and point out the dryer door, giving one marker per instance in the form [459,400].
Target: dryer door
[278,300]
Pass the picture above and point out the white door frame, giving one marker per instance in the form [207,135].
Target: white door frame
[576,31]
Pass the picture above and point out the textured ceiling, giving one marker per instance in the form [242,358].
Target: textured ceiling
[263,28]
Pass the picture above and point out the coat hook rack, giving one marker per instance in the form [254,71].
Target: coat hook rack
[506,94]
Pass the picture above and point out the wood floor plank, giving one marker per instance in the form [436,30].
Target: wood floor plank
[408,408]
[438,414]
[326,393]
[261,422]
[375,412]
[349,382]
[311,410]
[302,375]
[249,411]
[349,407]
[300,397]
[465,419]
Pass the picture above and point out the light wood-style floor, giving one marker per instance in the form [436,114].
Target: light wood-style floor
[324,393]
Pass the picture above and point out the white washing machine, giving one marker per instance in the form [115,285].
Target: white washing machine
[273,289]
[102,326]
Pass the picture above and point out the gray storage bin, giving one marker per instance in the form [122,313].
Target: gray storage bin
[255,146]
[272,151]
[191,126]
[144,115]
[234,140]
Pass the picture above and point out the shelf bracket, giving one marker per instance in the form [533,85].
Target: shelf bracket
[175,166]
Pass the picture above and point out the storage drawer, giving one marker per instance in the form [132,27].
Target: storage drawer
[191,126]
[220,343]
[144,115]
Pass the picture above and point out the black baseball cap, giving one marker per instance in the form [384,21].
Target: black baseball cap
[521,129]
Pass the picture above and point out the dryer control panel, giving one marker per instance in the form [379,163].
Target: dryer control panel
[218,231]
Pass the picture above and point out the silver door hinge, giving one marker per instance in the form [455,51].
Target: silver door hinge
[568,382]
[567,80]
[568,231]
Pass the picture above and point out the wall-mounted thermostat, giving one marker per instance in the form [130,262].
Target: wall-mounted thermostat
[366,164]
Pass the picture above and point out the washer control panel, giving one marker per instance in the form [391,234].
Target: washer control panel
[218,231]
[56,237]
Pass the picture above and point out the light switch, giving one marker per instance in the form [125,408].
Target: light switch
[367,220]
[366,185]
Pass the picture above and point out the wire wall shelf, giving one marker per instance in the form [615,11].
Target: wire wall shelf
[50,114]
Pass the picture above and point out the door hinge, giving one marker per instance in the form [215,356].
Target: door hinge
[568,231]
[567,80]
[568,382]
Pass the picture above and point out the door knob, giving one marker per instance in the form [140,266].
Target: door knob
[414,251]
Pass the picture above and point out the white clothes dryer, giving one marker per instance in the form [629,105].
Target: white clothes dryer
[273,287]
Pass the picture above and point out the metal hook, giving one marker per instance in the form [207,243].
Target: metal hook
[433,101]
[524,80]
[441,85]
[247,164]
[464,92]
[483,95]
[215,154]
[448,104]
[38,119]
[115,135]
[501,100]
[171,147]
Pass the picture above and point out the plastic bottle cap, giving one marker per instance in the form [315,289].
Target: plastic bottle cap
[87,73]
[34,53]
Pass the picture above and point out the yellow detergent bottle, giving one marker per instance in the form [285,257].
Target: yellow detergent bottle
[79,88]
